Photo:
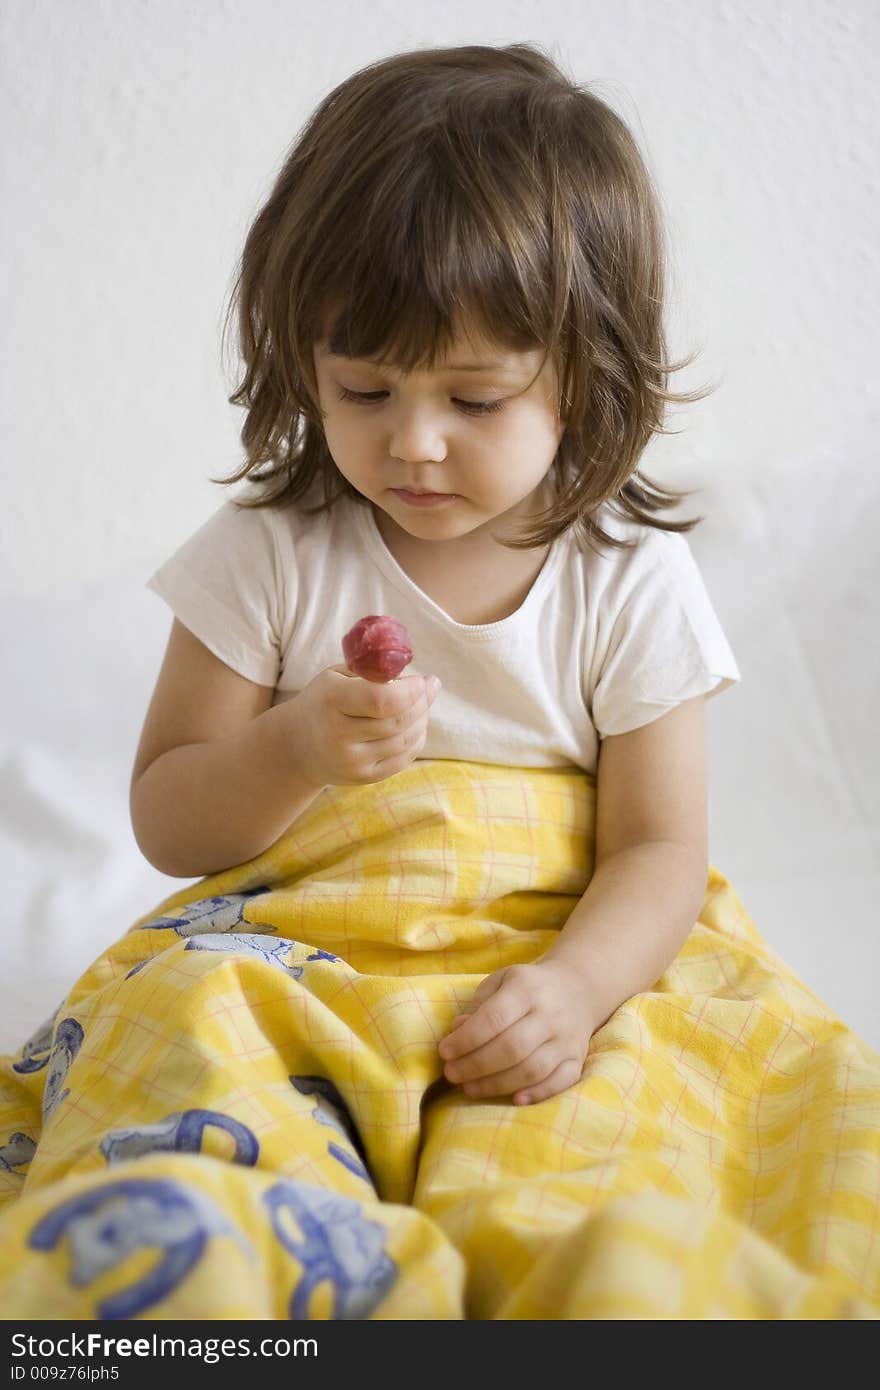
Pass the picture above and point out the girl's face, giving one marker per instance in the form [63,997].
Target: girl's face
[448,452]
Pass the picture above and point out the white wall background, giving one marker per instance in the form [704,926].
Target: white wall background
[139,139]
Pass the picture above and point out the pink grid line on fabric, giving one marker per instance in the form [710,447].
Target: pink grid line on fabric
[720,1031]
[842,1113]
[863,1272]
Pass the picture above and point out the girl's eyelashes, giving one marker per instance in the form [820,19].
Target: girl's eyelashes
[375,397]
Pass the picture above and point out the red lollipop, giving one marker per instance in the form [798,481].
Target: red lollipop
[377,648]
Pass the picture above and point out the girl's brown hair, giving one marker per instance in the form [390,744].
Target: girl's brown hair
[447,186]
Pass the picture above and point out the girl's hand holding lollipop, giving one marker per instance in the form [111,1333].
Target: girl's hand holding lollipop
[361,722]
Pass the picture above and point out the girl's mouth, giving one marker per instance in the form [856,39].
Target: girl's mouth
[422,499]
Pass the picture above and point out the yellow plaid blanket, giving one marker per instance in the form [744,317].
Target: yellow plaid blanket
[239,1109]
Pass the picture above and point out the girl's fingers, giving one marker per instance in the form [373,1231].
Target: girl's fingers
[516,1047]
[567,1074]
[372,703]
[526,1076]
[503,1051]
[496,1007]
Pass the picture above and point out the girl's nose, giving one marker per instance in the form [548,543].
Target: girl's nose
[417,436]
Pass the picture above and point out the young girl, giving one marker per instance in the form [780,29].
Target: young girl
[451,321]
[460,1024]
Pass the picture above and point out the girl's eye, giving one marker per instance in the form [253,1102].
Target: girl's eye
[374,397]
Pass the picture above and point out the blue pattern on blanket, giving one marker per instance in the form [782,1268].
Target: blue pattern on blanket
[249,944]
[38,1048]
[330,1109]
[103,1227]
[220,914]
[17,1152]
[349,1161]
[68,1041]
[180,1132]
[339,1244]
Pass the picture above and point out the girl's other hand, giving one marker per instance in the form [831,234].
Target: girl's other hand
[524,1034]
[347,731]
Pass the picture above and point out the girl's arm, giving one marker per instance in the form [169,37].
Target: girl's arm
[206,790]
[529,1026]
[650,867]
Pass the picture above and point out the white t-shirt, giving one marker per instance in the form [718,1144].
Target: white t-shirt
[601,644]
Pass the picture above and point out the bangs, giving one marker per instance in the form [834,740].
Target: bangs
[435,262]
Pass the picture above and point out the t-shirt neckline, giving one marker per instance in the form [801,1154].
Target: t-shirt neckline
[401,580]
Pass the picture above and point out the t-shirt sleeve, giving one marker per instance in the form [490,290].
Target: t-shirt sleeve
[224,585]
[662,639]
